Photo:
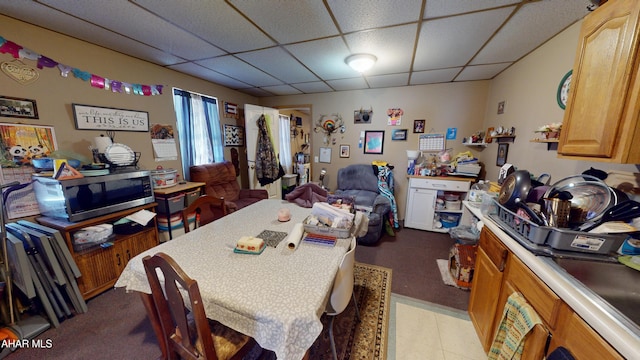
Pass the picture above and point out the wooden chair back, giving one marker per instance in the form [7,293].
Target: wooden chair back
[207,209]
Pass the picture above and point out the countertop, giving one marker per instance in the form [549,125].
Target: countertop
[452,178]
[625,340]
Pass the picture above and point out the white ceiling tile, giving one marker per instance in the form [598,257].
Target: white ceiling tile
[385,44]
[46,17]
[438,8]
[529,27]
[238,69]
[325,57]
[289,21]
[313,87]
[362,15]
[282,90]
[214,21]
[208,74]
[280,64]
[433,76]
[391,80]
[481,72]
[133,22]
[452,41]
[258,92]
[348,84]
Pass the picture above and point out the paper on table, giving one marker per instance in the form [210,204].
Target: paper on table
[293,240]
[142,217]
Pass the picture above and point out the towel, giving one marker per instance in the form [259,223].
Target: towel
[518,318]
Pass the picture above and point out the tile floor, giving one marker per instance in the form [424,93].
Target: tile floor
[426,331]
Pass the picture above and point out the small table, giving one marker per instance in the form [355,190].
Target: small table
[276,297]
[164,194]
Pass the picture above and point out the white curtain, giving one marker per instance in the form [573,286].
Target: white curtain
[285,143]
[200,132]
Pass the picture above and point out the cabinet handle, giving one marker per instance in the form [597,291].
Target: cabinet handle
[118,256]
[503,263]
[128,255]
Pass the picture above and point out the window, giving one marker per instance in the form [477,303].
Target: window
[198,125]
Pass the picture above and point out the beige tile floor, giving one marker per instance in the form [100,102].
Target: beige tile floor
[424,331]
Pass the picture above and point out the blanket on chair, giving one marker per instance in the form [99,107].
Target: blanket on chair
[307,194]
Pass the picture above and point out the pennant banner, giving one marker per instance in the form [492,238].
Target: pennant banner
[96,81]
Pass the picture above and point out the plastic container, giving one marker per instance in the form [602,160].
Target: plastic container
[453,204]
[449,220]
[164,178]
[170,205]
[477,191]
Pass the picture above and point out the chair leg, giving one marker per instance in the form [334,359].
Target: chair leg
[353,295]
[333,342]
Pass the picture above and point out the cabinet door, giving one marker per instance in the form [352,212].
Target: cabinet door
[420,208]
[97,271]
[483,303]
[600,118]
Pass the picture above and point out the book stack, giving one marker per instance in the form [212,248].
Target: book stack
[320,239]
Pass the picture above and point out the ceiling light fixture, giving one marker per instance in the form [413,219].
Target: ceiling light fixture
[361,62]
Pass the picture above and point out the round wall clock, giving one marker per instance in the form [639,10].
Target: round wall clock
[563,90]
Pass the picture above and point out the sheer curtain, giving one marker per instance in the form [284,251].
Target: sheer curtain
[198,125]
[285,143]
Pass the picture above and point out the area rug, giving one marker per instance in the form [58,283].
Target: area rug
[447,279]
[366,339]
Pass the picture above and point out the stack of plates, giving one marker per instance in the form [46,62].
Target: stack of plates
[120,154]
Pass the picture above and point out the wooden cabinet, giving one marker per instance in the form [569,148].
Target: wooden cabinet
[491,260]
[421,210]
[491,288]
[101,267]
[601,119]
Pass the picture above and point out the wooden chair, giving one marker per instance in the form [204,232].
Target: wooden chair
[189,334]
[207,209]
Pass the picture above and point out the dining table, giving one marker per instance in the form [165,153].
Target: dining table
[277,297]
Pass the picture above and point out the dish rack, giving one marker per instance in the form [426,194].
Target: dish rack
[552,241]
[113,167]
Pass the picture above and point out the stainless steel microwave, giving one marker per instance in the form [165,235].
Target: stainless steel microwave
[91,196]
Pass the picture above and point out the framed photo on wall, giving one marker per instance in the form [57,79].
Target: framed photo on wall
[418,126]
[501,159]
[344,151]
[399,134]
[373,142]
[19,108]
[325,155]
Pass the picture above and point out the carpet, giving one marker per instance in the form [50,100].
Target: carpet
[366,339]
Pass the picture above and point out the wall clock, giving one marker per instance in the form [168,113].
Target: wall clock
[563,90]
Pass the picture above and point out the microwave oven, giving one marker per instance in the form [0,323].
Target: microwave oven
[91,196]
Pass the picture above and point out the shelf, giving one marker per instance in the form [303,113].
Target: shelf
[552,144]
[475,144]
[503,138]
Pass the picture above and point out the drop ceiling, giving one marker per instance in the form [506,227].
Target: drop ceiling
[285,47]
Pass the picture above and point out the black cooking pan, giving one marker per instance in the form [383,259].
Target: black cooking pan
[514,191]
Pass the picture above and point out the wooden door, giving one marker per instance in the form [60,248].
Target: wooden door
[252,113]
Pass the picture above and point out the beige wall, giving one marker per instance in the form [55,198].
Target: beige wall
[55,94]
[529,89]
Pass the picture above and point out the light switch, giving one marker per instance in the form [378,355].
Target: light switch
[315,159]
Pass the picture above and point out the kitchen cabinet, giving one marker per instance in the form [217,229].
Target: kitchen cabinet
[422,211]
[601,118]
[489,293]
[100,267]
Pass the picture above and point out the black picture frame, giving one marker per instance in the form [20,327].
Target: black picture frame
[90,117]
[501,158]
[399,135]
[373,142]
[18,108]
[418,126]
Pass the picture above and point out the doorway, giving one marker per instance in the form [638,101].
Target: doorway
[300,131]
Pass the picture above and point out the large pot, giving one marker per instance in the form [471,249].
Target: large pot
[514,191]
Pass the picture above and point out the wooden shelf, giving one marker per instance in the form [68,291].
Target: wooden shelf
[482,144]
[552,144]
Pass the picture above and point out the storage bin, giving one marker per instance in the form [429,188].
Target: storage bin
[191,196]
[449,220]
[170,205]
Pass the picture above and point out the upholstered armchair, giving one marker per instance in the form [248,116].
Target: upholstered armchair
[220,180]
[360,181]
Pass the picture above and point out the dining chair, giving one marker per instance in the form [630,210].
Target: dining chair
[342,291]
[189,334]
[207,209]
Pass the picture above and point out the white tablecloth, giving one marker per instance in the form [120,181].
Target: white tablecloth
[276,297]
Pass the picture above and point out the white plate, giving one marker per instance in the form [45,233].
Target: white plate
[119,154]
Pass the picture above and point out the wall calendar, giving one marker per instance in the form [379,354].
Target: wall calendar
[431,142]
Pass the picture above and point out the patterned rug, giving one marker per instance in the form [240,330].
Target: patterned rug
[366,339]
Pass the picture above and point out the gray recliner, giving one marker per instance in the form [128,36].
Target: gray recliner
[360,181]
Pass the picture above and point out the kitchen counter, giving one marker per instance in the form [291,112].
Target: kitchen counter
[452,178]
[623,336]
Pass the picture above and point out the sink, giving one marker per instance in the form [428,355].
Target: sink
[616,284]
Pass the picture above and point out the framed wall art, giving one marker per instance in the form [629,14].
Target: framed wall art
[19,108]
[373,142]
[503,149]
[399,134]
[418,126]
[345,151]
[325,155]
[233,135]
[88,117]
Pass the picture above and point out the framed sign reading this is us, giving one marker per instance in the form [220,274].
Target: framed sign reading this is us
[89,117]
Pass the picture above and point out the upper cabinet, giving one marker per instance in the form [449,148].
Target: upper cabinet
[601,120]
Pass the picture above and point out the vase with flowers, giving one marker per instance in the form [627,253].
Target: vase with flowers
[550,131]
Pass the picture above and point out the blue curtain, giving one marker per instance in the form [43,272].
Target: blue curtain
[183,106]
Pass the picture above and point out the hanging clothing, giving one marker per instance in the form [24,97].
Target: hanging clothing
[385,185]
[268,169]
